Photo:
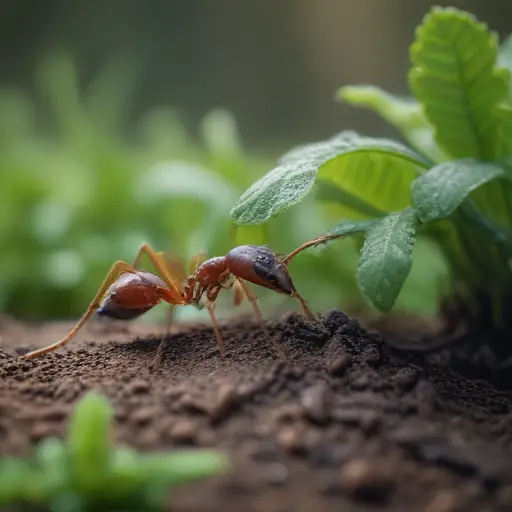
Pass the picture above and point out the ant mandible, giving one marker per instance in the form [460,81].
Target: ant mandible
[128,292]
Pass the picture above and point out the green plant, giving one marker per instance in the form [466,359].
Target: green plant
[450,184]
[89,473]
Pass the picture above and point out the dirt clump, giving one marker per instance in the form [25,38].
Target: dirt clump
[349,423]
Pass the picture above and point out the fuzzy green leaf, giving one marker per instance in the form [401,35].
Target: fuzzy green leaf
[441,190]
[405,114]
[386,259]
[349,227]
[454,77]
[376,172]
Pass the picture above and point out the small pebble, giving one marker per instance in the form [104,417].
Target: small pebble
[138,386]
[226,400]
[291,438]
[329,456]
[339,365]
[287,413]
[183,431]
[370,422]
[316,402]
[367,480]
[361,382]
[371,355]
[53,413]
[263,452]
[406,378]
[143,415]
[275,474]
[444,501]
[296,372]
[334,319]
[43,429]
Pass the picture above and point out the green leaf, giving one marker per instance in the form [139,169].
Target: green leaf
[405,114]
[505,54]
[14,475]
[504,123]
[441,190]
[453,76]
[52,458]
[349,227]
[340,202]
[386,259]
[377,172]
[497,234]
[89,440]
[184,466]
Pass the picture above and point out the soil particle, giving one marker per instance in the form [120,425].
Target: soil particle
[316,401]
[367,480]
[348,423]
[339,365]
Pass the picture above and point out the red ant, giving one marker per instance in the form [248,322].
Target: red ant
[128,292]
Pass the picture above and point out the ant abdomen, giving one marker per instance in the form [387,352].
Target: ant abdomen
[131,295]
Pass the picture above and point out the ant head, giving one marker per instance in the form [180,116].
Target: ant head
[271,270]
[258,264]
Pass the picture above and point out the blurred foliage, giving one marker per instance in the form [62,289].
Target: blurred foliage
[80,191]
[87,472]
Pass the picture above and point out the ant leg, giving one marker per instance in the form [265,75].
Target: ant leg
[211,296]
[305,306]
[117,269]
[254,303]
[172,271]
[195,262]
[238,294]
[163,266]
[169,317]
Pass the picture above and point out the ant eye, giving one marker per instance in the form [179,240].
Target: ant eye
[271,277]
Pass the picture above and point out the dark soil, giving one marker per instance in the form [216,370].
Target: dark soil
[349,424]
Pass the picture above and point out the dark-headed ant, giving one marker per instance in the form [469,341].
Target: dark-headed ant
[128,292]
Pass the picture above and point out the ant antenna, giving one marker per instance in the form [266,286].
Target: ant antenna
[312,243]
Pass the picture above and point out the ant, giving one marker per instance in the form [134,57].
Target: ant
[128,292]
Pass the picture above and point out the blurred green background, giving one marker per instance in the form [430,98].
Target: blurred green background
[125,122]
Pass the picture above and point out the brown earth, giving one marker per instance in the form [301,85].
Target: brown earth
[350,424]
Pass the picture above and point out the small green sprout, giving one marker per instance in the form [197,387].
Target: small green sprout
[89,473]
[450,182]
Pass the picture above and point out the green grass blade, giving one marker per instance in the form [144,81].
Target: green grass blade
[441,190]
[454,77]
[386,259]
[376,172]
